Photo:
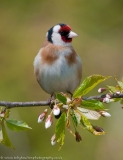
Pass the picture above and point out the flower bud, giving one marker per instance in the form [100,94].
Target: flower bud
[56,110]
[106,100]
[53,139]
[108,96]
[78,137]
[2,114]
[42,116]
[98,129]
[118,93]
[48,121]
[101,90]
[105,114]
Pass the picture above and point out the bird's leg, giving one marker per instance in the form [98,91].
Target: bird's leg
[50,101]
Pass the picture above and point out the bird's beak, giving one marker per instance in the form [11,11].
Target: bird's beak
[72,34]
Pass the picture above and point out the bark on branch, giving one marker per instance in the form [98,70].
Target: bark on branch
[99,97]
[9,105]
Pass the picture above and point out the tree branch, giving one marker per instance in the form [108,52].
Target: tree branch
[9,105]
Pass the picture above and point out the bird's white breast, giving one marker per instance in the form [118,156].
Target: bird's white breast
[60,76]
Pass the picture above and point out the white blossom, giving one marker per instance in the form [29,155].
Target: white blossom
[48,121]
[42,116]
[56,110]
[53,139]
[105,114]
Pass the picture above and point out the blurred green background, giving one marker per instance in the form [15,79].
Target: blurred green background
[23,25]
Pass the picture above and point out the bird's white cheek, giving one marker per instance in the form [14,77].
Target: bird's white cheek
[57,40]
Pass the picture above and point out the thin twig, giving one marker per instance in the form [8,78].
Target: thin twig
[10,105]
[99,97]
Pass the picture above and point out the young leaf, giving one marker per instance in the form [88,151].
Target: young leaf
[114,89]
[15,125]
[61,98]
[74,118]
[89,114]
[6,141]
[120,84]
[88,84]
[60,129]
[86,123]
[93,104]
[61,139]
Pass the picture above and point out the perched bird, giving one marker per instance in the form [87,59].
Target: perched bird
[57,66]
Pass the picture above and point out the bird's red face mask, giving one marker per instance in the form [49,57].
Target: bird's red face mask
[64,32]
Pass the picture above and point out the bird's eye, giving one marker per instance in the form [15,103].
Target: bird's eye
[63,33]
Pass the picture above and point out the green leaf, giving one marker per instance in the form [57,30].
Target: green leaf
[93,104]
[88,84]
[120,84]
[61,140]
[86,123]
[61,98]
[15,125]
[74,118]
[112,89]
[6,141]
[60,129]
